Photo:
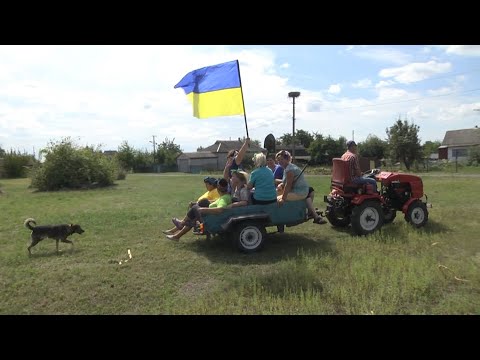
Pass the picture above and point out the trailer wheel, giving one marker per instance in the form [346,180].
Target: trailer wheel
[367,217]
[249,236]
[417,214]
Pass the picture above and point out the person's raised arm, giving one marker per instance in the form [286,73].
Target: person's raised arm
[243,151]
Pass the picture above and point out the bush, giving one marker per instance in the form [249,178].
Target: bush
[15,164]
[68,166]
[121,174]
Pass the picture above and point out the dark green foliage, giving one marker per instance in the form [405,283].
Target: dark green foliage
[323,150]
[15,164]
[167,153]
[68,166]
[430,147]
[301,137]
[373,147]
[126,156]
[474,156]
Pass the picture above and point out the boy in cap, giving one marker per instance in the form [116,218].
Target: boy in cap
[356,175]
[194,214]
[205,200]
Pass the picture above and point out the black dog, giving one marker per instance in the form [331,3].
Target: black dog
[57,232]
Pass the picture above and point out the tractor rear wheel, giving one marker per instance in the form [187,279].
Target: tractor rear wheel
[367,217]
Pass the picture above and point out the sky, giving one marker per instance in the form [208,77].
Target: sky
[105,95]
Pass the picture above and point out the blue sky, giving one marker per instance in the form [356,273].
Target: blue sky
[103,95]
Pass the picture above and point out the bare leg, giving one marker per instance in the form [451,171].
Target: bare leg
[179,234]
[311,210]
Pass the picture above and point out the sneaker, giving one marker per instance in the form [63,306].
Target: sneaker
[177,223]
[167,232]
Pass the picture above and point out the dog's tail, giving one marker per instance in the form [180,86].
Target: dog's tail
[27,223]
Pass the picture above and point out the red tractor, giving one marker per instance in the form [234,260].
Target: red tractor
[367,210]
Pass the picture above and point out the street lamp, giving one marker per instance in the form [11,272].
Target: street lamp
[293,94]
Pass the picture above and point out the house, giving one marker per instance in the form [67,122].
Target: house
[456,143]
[214,157]
[301,153]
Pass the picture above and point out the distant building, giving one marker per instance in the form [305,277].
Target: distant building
[456,143]
[301,153]
[212,158]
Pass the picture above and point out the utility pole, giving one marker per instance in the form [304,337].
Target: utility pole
[293,95]
[154,147]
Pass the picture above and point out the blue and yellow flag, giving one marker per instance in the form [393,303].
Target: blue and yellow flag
[214,90]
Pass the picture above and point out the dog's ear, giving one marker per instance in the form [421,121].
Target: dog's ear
[71,225]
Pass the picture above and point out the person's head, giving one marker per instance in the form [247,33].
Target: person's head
[259,159]
[352,146]
[222,186]
[239,178]
[283,158]
[210,183]
[271,161]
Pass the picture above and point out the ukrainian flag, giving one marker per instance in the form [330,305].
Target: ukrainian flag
[214,90]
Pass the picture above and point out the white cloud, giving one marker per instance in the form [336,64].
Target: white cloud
[285,66]
[364,83]
[385,94]
[465,50]
[382,54]
[334,89]
[383,83]
[440,91]
[415,71]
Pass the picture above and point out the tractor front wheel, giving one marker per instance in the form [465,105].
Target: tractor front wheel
[417,214]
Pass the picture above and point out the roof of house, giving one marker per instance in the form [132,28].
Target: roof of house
[224,146]
[197,155]
[464,137]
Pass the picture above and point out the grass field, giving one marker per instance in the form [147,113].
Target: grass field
[310,269]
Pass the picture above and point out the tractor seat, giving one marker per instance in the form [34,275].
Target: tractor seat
[341,176]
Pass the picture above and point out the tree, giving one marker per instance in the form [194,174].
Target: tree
[404,142]
[167,153]
[2,152]
[373,146]
[126,156]
[301,137]
[323,150]
[430,147]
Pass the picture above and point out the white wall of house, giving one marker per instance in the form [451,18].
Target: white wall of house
[461,151]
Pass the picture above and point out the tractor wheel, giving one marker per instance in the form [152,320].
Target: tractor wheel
[338,221]
[389,215]
[367,217]
[249,236]
[417,214]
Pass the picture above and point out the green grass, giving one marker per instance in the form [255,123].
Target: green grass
[310,269]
